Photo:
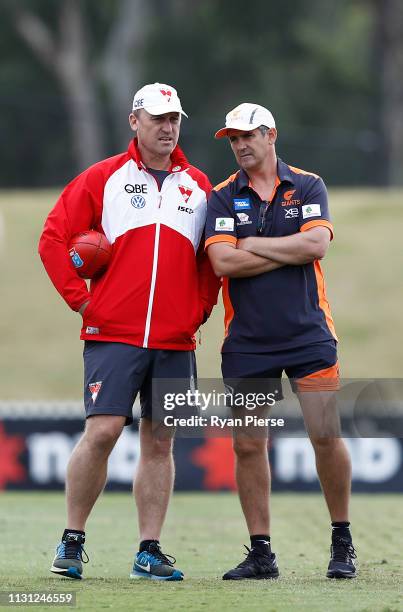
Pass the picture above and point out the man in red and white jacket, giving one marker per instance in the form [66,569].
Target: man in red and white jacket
[139,317]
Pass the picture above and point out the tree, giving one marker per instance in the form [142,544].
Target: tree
[123,59]
[311,63]
[388,20]
[64,50]
[67,48]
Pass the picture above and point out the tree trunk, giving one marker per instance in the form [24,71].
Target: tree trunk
[66,54]
[389,22]
[77,79]
[123,60]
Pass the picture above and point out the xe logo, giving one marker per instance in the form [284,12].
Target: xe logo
[186,192]
[291,213]
[166,93]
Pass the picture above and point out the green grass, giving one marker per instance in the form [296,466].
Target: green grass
[41,353]
[205,532]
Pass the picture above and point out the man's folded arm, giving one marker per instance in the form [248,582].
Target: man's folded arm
[228,260]
[297,249]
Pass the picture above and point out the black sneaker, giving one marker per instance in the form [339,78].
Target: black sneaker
[69,556]
[341,563]
[258,565]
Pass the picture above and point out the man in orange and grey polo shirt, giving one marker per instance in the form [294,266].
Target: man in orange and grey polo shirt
[268,226]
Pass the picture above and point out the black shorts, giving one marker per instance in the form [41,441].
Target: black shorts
[312,367]
[115,372]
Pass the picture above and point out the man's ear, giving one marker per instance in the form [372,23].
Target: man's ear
[133,121]
[272,135]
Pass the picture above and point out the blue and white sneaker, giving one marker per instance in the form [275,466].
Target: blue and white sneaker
[154,565]
[69,556]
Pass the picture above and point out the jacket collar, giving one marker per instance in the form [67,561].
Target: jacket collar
[178,158]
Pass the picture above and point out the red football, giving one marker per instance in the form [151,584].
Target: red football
[90,253]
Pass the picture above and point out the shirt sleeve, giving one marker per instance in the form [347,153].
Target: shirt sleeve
[77,210]
[314,207]
[209,284]
[220,223]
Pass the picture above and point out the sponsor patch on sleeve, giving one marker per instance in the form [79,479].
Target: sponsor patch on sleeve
[241,204]
[311,210]
[224,224]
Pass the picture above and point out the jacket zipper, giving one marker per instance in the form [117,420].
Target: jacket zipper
[154,273]
[152,288]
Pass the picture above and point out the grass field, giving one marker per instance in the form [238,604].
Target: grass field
[205,532]
[41,353]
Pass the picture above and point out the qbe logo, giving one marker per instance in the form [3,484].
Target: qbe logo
[138,201]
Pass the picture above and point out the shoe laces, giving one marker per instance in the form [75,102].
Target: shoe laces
[154,549]
[74,550]
[255,555]
[342,550]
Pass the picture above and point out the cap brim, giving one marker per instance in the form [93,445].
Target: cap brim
[163,109]
[221,133]
[242,127]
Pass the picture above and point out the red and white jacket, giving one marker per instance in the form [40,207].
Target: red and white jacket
[159,286]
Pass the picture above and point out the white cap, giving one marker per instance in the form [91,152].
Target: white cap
[246,117]
[158,99]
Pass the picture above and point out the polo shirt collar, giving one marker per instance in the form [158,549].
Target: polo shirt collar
[283,173]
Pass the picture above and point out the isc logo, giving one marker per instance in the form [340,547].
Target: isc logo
[184,209]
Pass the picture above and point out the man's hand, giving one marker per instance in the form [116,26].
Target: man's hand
[83,307]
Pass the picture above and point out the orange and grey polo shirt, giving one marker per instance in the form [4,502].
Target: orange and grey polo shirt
[286,308]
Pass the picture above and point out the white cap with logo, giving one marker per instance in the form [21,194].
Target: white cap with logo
[158,99]
[246,117]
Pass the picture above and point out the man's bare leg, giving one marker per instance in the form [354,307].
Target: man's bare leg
[334,470]
[332,458]
[253,479]
[154,481]
[87,469]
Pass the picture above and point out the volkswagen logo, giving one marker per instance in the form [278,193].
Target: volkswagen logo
[138,201]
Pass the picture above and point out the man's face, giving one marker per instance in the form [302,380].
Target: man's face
[157,134]
[251,149]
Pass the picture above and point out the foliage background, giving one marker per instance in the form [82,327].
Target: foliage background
[329,71]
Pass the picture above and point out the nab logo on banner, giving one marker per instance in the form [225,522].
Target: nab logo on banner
[34,454]
[49,455]
[374,460]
